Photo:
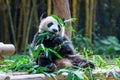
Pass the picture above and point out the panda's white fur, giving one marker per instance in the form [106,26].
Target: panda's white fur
[44,26]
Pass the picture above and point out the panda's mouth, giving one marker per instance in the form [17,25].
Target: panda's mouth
[54,30]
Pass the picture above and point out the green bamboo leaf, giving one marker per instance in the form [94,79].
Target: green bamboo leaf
[42,46]
[62,70]
[93,58]
[85,77]
[70,76]
[70,28]
[50,56]
[70,20]
[117,62]
[86,55]
[78,75]
[55,53]
[47,74]
[41,36]
[60,21]
[31,48]
[101,59]
[31,70]
[41,69]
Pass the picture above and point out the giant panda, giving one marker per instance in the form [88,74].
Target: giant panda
[57,38]
[48,23]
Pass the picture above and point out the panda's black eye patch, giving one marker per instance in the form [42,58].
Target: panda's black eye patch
[59,28]
[50,24]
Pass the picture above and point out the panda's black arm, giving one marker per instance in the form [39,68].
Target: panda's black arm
[34,39]
[66,38]
[33,43]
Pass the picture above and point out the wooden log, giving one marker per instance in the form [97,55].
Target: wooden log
[38,77]
[8,49]
[29,77]
[19,73]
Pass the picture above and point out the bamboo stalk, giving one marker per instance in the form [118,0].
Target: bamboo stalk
[15,14]
[74,8]
[49,7]
[25,16]
[29,26]
[94,15]
[75,12]
[11,22]
[25,25]
[87,18]
[91,21]
[5,22]
[35,11]
[20,25]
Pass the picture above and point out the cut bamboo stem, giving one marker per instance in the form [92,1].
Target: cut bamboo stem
[4,77]
[6,49]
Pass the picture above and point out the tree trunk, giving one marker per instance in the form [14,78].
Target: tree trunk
[62,10]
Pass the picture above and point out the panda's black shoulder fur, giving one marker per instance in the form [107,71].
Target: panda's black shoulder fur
[56,40]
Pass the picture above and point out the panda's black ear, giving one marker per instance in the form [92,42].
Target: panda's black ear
[63,19]
[44,15]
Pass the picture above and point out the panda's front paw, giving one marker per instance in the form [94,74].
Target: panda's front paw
[58,40]
[91,64]
[86,64]
[52,67]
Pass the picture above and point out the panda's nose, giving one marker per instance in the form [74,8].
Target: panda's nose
[54,30]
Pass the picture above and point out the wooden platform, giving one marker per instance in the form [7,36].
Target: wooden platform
[25,76]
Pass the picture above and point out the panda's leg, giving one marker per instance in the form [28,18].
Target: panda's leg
[79,61]
[69,45]
[45,62]
[63,63]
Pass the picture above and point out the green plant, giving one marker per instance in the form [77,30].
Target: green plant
[109,46]
[99,61]
[117,62]
[81,42]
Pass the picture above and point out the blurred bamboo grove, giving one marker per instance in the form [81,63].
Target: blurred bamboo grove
[19,19]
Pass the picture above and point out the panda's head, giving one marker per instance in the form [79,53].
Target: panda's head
[51,24]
